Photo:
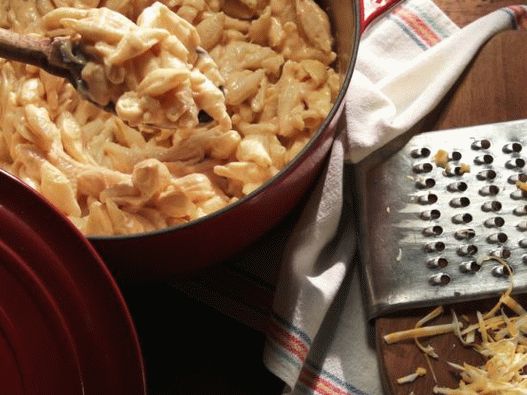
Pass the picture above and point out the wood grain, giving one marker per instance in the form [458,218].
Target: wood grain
[491,90]
[462,12]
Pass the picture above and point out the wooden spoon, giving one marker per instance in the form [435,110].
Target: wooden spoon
[59,56]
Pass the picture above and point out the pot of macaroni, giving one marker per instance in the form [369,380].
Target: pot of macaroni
[223,112]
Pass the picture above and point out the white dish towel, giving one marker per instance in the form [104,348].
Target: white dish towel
[318,340]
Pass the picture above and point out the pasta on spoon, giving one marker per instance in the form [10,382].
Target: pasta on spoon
[152,73]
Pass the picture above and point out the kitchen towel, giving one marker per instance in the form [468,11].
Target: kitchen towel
[318,339]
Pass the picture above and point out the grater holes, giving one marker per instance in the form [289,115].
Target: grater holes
[493,206]
[483,159]
[517,177]
[489,190]
[524,259]
[469,267]
[420,152]
[438,246]
[522,210]
[468,249]
[504,253]
[501,271]
[437,263]
[460,202]
[435,230]
[481,144]
[397,182]
[454,171]
[440,279]
[515,163]
[486,175]
[430,214]
[498,238]
[455,156]
[459,186]
[425,183]
[458,171]
[423,167]
[517,195]
[522,226]
[465,234]
[462,218]
[512,148]
[496,222]
[427,199]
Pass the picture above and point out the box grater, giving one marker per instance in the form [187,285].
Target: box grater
[433,207]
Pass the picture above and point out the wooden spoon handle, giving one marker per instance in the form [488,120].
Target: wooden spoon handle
[25,49]
[42,52]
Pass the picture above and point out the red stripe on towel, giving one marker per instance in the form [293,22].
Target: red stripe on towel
[287,340]
[418,26]
[320,385]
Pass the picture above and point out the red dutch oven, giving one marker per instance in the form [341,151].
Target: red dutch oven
[184,249]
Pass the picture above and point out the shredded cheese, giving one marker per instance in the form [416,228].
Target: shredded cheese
[428,350]
[430,316]
[482,328]
[457,326]
[471,337]
[399,255]
[464,168]
[431,368]
[522,185]
[503,344]
[412,377]
[426,331]
[441,159]
[513,305]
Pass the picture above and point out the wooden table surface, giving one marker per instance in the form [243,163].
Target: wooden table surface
[192,349]
[462,12]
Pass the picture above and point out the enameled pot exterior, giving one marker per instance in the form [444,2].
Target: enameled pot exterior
[183,250]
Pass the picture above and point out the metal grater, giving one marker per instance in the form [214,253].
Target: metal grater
[424,230]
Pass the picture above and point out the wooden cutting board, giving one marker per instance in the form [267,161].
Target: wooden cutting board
[493,89]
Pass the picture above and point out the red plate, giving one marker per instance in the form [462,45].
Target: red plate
[64,326]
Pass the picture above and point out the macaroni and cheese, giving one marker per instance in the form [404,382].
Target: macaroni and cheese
[267,88]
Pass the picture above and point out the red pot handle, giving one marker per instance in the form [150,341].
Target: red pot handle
[381,9]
